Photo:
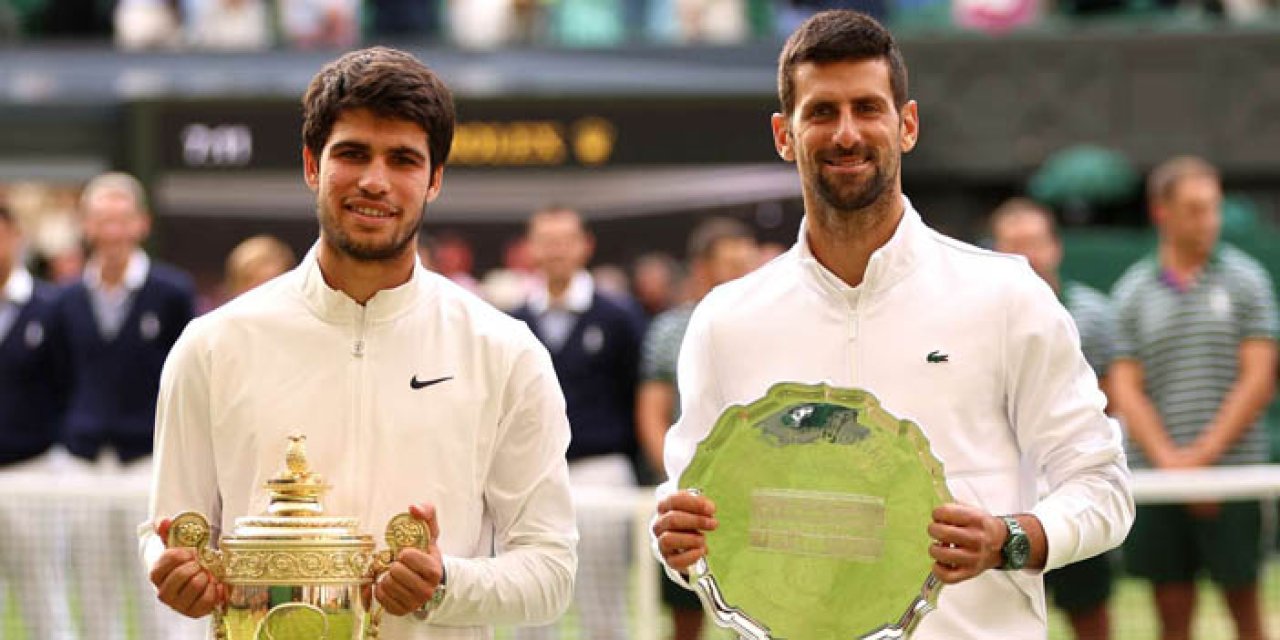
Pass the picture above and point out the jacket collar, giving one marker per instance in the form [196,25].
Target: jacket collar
[577,298]
[135,274]
[19,287]
[889,264]
[336,306]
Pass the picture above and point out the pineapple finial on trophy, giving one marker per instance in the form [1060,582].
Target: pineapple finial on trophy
[296,491]
[295,458]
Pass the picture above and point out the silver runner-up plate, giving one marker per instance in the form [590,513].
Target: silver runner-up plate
[824,501]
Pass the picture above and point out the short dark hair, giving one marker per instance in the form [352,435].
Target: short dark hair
[836,36]
[388,82]
[1164,179]
[709,233]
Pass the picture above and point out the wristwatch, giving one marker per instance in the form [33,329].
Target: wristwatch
[1017,547]
[437,596]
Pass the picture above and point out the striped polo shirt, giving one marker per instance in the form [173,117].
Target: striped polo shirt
[1188,339]
[1095,320]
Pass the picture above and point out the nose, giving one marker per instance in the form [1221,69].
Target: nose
[846,133]
[374,179]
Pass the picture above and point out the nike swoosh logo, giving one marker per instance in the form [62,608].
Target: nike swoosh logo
[415,383]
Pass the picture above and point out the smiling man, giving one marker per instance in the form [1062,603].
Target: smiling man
[968,343]
[412,392]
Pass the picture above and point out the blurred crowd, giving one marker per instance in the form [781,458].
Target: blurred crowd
[254,25]
[87,318]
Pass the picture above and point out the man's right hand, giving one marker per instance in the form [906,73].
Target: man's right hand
[182,583]
[682,519]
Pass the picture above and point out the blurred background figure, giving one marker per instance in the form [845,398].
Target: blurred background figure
[116,325]
[32,564]
[594,344]
[482,24]
[255,261]
[312,24]
[508,286]
[147,24]
[450,255]
[656,282]
[720,250]
[612,280]
[1195,369]
[1023,227]
[227,25]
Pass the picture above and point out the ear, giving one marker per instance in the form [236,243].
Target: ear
[910,129]
[437,179]
[1157,213]
[782,137]
[310,168]
[144,225]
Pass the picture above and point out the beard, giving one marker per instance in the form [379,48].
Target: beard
[367,251]
[845,195]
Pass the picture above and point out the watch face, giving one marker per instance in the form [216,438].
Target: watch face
[1019,549]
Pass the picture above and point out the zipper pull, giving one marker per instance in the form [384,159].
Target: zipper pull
[358,349]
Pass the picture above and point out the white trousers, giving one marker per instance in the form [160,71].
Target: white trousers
[600,590]
[32,560]
[103,552]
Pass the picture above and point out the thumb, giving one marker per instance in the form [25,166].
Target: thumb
[426,512]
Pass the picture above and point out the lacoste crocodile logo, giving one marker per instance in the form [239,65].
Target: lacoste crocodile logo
[415,383]
[936,356]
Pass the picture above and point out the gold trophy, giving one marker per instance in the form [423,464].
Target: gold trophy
[293,573]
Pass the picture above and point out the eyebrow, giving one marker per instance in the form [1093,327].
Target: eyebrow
[363,146]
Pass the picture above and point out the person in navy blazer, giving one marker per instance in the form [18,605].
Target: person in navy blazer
[31,401]
[594,341]
[116,325]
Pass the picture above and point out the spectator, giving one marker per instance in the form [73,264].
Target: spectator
[656,283]
[31,403]
[229,25]
[1023,227]
[146,24]
[720,250]
[255,261]
[116,325]
[594,344]
[313,24]
[1195,369]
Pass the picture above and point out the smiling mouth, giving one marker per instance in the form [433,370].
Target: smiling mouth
[373,212]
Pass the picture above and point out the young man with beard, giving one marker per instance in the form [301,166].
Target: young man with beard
[410,390]
[864,299]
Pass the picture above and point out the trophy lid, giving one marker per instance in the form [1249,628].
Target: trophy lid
[296,511]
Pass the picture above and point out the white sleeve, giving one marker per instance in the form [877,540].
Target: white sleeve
[530,579]
[701,401]
[1057,411]
[184,477]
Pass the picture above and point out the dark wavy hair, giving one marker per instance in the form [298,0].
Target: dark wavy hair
[388,82]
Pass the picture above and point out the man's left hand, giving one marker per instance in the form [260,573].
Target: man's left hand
[415,574]
[967,541]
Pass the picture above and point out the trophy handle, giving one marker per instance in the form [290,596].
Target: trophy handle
[191,530]
[403,530]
